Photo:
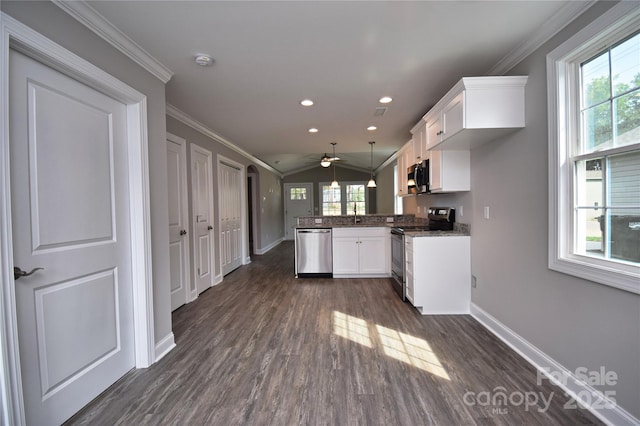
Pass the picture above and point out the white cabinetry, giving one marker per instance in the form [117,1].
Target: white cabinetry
[361,252]
[438,274]
[476,110]
[419,133]
[449,171]
[406,157]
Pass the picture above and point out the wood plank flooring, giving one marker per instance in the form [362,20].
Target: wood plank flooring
[263,348]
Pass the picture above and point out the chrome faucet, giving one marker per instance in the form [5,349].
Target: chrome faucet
[355,214]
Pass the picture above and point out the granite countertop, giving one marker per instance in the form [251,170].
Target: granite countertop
[454,233]
[460,229]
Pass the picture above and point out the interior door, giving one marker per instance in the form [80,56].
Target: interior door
[298,201]
[70,216]
[178,220]
[230,192]
[202,200]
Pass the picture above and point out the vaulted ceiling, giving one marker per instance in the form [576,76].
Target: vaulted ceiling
[270,55]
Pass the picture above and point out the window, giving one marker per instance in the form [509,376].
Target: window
[397,199]
[594,147]
[298,194]
[331,200]
[356,203]
[343,199]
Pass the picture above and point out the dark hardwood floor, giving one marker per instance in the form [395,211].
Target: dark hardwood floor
[263,348]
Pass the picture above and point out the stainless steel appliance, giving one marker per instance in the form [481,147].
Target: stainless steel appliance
[440,219]
[313,253]
[418,178]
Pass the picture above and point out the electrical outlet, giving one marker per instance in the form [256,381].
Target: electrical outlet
[460,211]
[474,281]
[390,220]
[318,221]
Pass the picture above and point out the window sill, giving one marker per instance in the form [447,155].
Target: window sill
[587,268]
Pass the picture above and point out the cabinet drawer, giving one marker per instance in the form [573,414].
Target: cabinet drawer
[360,231]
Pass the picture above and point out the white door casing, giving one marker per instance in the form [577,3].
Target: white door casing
[34,44]
[178,221]
[231,195]
[295,207]
[202,208]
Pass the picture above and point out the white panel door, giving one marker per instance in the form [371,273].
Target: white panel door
[202,199]
[230,192]
[70,216]
[298,201]
[178,220]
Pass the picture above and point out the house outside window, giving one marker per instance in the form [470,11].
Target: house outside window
[342,200]
[594,150]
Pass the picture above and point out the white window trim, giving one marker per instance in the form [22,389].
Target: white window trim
[343,194]
[624,17]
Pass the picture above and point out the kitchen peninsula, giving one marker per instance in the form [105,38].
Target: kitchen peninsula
[432,273]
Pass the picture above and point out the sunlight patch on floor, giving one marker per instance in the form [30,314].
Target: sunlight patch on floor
[401,346]
[352,328]
[412,350]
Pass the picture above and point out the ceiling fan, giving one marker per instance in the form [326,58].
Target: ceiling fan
[326,161]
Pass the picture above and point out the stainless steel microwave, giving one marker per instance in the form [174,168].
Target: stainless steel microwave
[418,178]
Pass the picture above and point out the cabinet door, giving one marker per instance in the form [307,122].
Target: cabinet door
[373,255]
[435,170]
[402,174]
[345,255]
[434,128]
[453,117]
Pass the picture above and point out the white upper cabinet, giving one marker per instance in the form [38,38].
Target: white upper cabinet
[476,110]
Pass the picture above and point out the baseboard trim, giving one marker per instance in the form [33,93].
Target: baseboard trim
[164,346]
[600,406]
[218,279]
[269,247]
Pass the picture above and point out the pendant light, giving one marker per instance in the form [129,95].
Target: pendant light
[372,182]
[335,183]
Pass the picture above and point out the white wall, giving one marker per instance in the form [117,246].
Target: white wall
[576,322]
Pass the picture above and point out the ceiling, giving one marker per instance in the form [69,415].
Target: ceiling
[268,56]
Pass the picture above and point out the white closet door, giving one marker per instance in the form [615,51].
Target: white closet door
[178,220]
[230,190]
[202,199]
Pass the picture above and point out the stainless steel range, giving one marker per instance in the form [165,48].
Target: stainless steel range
[440,219]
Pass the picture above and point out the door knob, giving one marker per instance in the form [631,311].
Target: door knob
[209,228]
[183,232]
[17,272]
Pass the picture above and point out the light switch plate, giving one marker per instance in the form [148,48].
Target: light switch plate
[318,221]
[390,220]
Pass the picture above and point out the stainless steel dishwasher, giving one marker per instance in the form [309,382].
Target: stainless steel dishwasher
[313,253]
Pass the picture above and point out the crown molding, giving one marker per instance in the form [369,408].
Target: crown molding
[561,19]
[186,119]
[90,18]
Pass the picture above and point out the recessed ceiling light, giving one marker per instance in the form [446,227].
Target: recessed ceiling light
[313,130]
[306,102]
[203,60]
[385,100]
[371,128]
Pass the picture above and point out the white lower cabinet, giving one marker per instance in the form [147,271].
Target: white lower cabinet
[361,252]
[438,274]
